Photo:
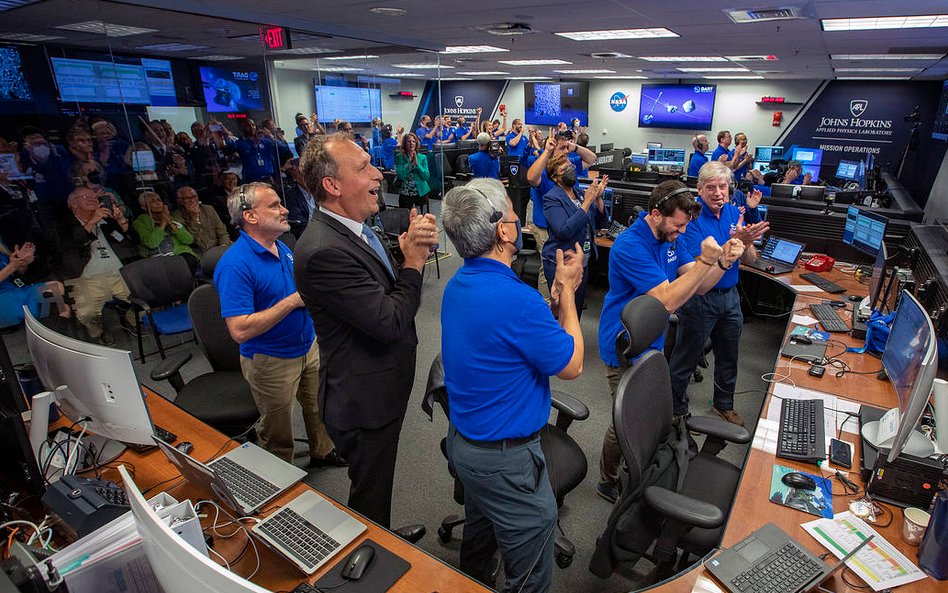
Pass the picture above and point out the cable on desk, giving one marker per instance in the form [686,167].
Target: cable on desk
[240,527]
[153,486]
[842,575]
[233,438]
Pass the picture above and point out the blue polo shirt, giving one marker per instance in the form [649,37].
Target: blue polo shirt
[250,279]
[739,199]
[446,134]
[422,133]
[388,152]
[537,193]
[698,160]
[638,262]
[720,228]
[521,146]
[720,150]
[497,371]
[460,131]
[484,165]
[257,158]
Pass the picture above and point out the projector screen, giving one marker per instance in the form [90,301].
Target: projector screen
[549,103]
[679,106]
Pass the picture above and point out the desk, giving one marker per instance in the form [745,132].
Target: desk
[752,507]
[427,573]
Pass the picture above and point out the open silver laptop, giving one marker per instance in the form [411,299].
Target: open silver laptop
[309,531]
[245,479]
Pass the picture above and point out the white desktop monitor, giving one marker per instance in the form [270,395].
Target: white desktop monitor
[649,145]
[177,565]
[90,381]
[910,361]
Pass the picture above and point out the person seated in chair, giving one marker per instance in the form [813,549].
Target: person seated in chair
[497,376]
[200,220]
[651,258]
[158,234]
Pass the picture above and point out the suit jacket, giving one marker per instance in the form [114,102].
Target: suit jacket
[365,325]
[567,225]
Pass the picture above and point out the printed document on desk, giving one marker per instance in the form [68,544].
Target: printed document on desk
[834,408]
[879,563]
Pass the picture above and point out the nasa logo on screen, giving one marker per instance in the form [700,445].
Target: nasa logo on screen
[459,100]
[858,106]
[618,101]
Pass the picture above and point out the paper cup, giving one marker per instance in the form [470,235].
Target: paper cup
[913,527]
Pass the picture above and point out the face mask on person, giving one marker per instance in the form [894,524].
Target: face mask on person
[40,152]
[569,177]
[94,178]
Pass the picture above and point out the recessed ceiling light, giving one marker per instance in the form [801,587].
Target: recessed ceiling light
[753,58]
[485,73]
[886,56]
[472,49]
[10,4]
[216,58]
[586,71]
[619,34]
[608,55]
[421,66]
[368,57]
[682,58]
[529,78]
[305,50]
[873,78]
[901,70]
[338,69]
[924,21]
[712,69]
[172,47]
[733,77]
[399,74]
[26,36]
[622,77]
[534,62]
[109,29]
[388,11]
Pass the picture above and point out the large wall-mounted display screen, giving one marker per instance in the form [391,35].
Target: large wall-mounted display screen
[135,81]
[355,105]
[549,103]
[13,83]
[231,89]
[679,106]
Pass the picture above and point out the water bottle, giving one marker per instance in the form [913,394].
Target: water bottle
[933,551]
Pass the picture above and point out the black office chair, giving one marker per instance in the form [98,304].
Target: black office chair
[671,338]
[159,287]
[671,495]
[560,450]
[222,397]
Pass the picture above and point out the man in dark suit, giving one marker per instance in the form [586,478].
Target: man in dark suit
[363,306]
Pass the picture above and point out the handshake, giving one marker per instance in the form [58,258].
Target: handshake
[725,255]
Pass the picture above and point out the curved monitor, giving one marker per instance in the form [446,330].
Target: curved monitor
[91,381]
[176,564]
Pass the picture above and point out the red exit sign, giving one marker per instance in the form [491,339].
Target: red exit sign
[771,99]
[275,37]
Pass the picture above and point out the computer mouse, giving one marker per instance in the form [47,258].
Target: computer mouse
[185,447]
[770,269]
[358,562]
[799,481]
[800,339]
[855,298]
[837,304]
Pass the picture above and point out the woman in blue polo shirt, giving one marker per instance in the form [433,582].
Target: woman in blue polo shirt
[572,216]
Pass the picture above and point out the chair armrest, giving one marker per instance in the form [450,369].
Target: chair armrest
[169,370]
[140,304]
[716,427]
[568,408]
[684,508]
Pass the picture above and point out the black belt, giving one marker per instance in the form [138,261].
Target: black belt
[721,289]
[502,443]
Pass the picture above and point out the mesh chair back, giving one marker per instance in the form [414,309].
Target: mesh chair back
[395,220]
[643,411]
[210,258]
[644,319]
[435,392]
[159,281]
[221,350]
[463,165]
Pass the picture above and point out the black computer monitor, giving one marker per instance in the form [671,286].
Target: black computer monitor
[783,190]
[848,170]
[877,280]
[815,193]
[765,154]
[864,230]
[18,464]
[606,146]
[464,144]
[513,170]
[623,208]
[653,145]
[611,159]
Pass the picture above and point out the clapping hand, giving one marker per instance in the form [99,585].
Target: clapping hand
[754,198]
[747,234]
[419,240]
[23,256]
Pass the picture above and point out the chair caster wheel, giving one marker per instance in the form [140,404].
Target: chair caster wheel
[698,377]
[564,560]
[444,535]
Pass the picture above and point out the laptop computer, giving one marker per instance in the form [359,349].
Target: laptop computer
[779,256]
[245,479]
[771,557]
[309,530]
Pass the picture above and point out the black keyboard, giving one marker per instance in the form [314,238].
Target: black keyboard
[802,435]
[828,318]
[298,537]
[786,570]
[243,483]
[822,283]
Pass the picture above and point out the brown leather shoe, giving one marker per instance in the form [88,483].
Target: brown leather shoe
[729,415]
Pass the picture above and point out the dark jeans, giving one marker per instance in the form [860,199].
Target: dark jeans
[508,503]
[716,315]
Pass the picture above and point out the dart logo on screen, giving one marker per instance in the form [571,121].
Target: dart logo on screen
[618,102]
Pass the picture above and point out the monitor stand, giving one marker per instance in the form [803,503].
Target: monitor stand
[917,444]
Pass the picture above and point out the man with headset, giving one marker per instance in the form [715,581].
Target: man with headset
[650,258]
[701,145]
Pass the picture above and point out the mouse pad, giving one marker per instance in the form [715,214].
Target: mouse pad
[386,568]
[817,502]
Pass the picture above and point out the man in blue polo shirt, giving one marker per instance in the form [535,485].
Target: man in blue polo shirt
[497,378]
[701,145]
[650,258]
[482,162]
[516,141]
[426,132]
[257,152]
[264,314]
[716,313]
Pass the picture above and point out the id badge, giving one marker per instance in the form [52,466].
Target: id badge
[587,246]
[117,236]
[259,161]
